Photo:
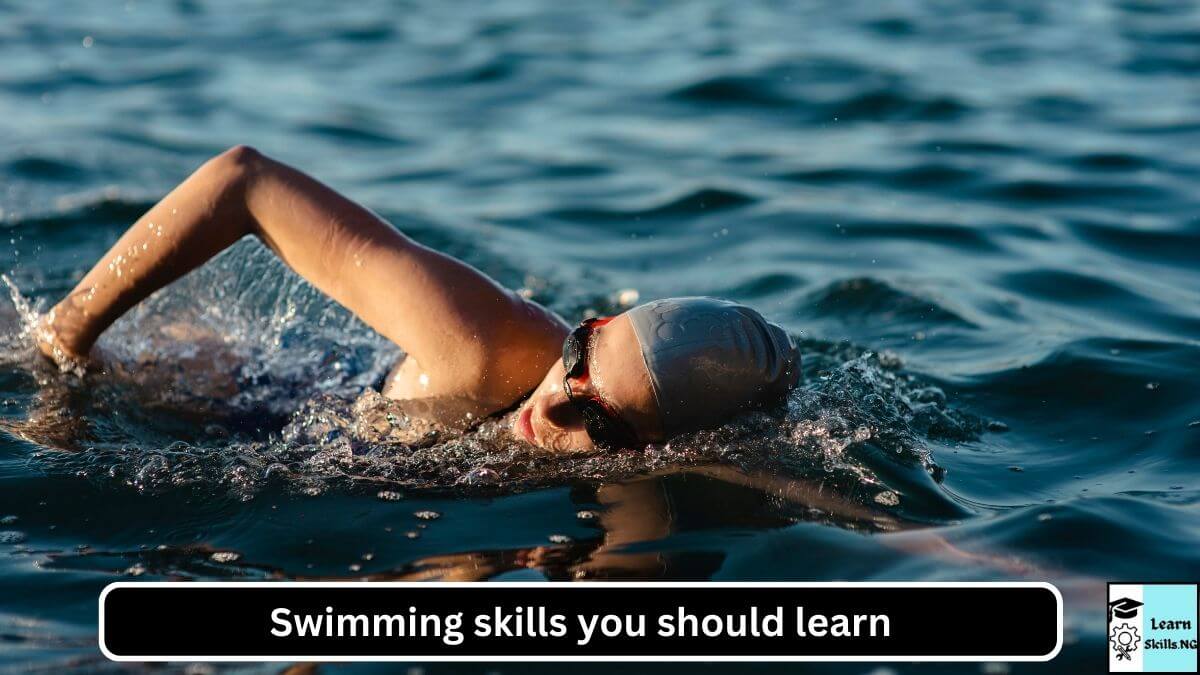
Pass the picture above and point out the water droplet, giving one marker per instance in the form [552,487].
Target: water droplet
[413,534]
[560,539]
[355,567]
[1043,517]
[135,570]
[428,515]
[389,495]
[225,556]
[1152,386]
[586,514]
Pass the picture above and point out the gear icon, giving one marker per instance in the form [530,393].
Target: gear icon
[1124,639]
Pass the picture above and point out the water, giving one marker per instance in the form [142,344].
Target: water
[980,219]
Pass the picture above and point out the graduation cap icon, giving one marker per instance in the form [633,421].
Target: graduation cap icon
[1123,608]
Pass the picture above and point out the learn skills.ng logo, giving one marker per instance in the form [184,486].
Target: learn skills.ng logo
[1152,628]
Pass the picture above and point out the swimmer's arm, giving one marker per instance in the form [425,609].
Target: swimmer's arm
[469,335]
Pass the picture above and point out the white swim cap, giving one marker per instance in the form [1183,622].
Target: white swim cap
[710,358]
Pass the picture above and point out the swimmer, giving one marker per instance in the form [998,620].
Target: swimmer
[472,348]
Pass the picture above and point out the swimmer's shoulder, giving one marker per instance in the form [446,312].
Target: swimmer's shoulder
[423,396]
[519,352]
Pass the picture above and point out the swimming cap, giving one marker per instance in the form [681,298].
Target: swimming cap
[710,358]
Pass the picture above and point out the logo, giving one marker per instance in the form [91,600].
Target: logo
[1124,639]
[1152,628]
[1123,608]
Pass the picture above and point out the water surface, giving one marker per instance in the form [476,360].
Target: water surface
[980,220]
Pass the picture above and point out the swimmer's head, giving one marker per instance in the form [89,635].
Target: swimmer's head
[658,370]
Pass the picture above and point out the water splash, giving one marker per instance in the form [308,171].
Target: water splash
[36,328]
[241,377]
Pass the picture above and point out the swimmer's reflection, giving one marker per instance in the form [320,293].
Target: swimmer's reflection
[634,517]
[639,524]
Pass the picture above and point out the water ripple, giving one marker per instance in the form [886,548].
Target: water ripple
[867,299]
[697,202]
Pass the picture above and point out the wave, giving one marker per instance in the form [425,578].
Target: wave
[950,235]
[45,168]
[1111,162]
[890,104]
[108,206]
[970,147]
[868,299]
[732,90]
[1177,246]
[695,203]
[1066,191]
[356,132]
[868,102]
[70,77]
[498,68]
[1124,382]
[1068,287]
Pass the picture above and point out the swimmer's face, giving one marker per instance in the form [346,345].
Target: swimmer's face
[616,374]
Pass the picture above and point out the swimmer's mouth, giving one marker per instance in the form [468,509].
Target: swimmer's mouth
[523,425]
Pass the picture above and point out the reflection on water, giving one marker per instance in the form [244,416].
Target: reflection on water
[616,517]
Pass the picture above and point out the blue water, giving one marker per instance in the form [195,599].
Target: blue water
[980,218]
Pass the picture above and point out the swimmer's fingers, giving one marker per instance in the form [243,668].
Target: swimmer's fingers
[49,345]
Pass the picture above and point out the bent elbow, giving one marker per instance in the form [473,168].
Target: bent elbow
[242,155]
[237,162]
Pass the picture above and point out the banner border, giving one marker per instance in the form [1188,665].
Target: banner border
[588,658]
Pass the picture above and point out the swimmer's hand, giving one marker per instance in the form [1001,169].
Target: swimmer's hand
[51,344]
